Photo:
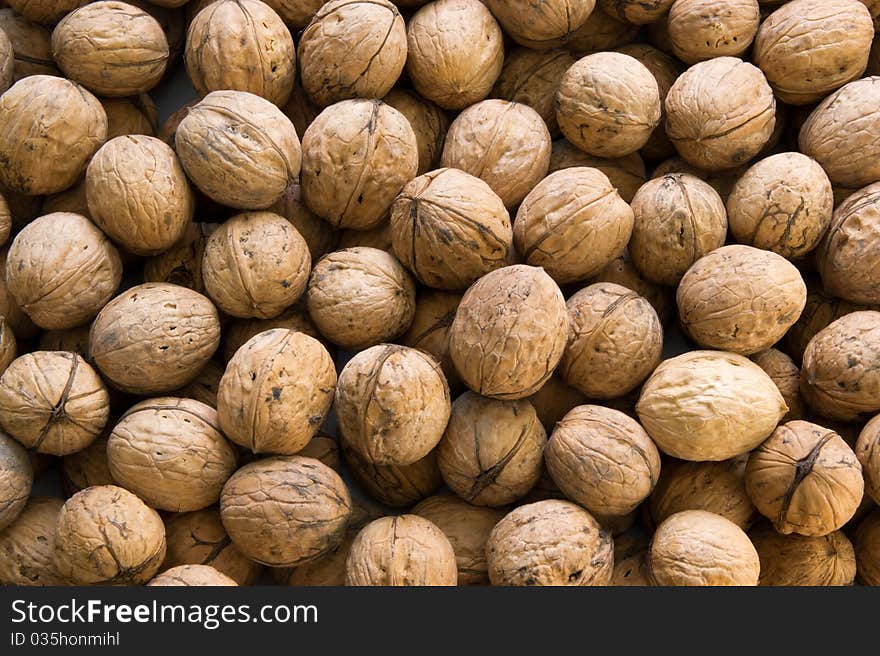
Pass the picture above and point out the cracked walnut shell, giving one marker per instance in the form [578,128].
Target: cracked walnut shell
[16,479]
[27,545]
[791,560]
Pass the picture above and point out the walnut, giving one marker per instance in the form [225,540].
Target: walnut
[27,545]
[191,575]
[820,311]
[429,331]
[637,12]
[8,345]
[182,263]
[791,560]
[600,32]
[31,45]
[621,271]
[867,548]
[787,376]
[45,12]
[326,571]
[867,449]
[239,331]
[137,115]
[325,448]
[320,236]
[379,238]
[626,174]
[86,468]
[553,401]
[703,29]
[7,62]
[542,25]
[16,480]
[398,486]
[721,181]
[428,121]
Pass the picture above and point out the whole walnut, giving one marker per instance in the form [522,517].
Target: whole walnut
[720,113]
[561,213]
[553,401]
[455,52]
[491,452]
[86,468]
[805,479]
[602,460]
[326,571]
[401,551]
[621,271]
[791,560]
[820,311]
[239,331]
[198,538]
[191,575]
[320,236]
[637,12]
[239,149]
[31,45]
[615,341]
[868,452]
[137,115]
[509,332]
[352,49]
[867,548]
[541,25]
[27,545]
[449,228]
[781,204]
[709,405]
[847,257]
[601,32]
[608,104]
[429,331]
[324,447]
[276,392]
[20,323]
[47,155]
[392,404]
[428,121]
[841,134]
[787,376]
[840,376]
[138,194]
[357,156]
[182,263]
[154,338]
[626,174]
[242,45]
[549,543]
[111,48]
[44,12]
[721,181]
[285,511]
[359,297]
[703,29]
[16,479]
[53,402]
[809,48]
[398,486]
[700,548]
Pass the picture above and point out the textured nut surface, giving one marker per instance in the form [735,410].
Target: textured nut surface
[8,345]
[398,486]
[191,575]
[238,149]
[31,45]
[53,402]
[401,551]
[808,48]
[637,12]
[868,452]
[720,113]
[608,104]
[154,338]
[276,392]
[602,460]
[867,547]
[741,299]
[565,211]
[781,204]
[549,543]
[429,332]
[703,29]
[357,156]
[428,121]
[699,548]
[86,468]
[16,479]
[553,401]
[138,194]
[49,128]
[541,25]
[840,377]
[601,32]
[182,263]
[455,52]
[360,296]
[626,174]
[20,323]
[392,404]
[449,228]
[491,452]
[709,405]
[352,49]
[615,341]
[509,332]
[107,536]
[787,376]
[791,560]
[820,311]
[27,545]
[237,332]
[7,61]
[135,115]
[621,271]
[320,236]
[285,511]
[241,45]
[326,571]
[111,48]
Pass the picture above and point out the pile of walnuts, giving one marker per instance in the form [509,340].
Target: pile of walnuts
[438,292]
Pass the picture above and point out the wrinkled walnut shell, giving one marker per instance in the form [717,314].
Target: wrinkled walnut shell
[320,236]
[191,575]
[787,376]
[86,468]
[703,29]
[27,545]
[637,12]
[429,332]
[239,331]
[626,174]
[182,263]
[16,480]
[867,547]
[428,121]
[795,560]
[398,486]
[868,451]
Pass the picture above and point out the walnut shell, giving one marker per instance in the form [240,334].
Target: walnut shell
[868,451]
[637,12]
[8,345]
[107,536]
[549,543]
[357,156]
[398,486]
[352,49]
[805,479]
[820,311]
[428,121]
[86,468]
[847,258]
[138,194]
[626,174]
[700,548]
[703,29]
[379,238]
[621,271]
[608,104]
[276,392]
[241,45]
[285,511]
[455,52]
[449,228]
[615,341]
[137,115]
[198,538]
[867,547]
[111,48]
[7,62]
[787,376]
[326,571]
[631,570]
[809,48]
[154,338]
[191,575]
[509,332]
[791,560]
[600,32]
[53,402]
[602,460]
[709,405]
[325,448]
[5,220]
[182,263]
[47,155]
[27,545]
[553,401]
[16,480]
[541,25]
[429,331]
[45,12]
[320,236]
[239,331]
[71,200]
[840,376]
[31,46]
[721,181]
[239,149]
[781,204]
[491,452]
[720,113]
[361,296]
